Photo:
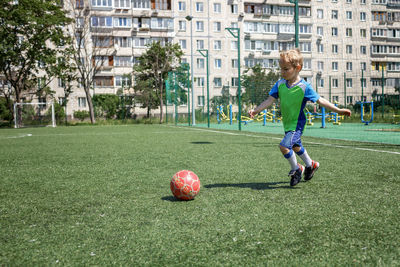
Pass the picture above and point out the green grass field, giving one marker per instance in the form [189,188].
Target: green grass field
[100,196]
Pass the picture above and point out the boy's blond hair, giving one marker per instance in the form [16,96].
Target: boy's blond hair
[293,56]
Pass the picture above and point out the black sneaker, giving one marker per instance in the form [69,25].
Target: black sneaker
[296,175]
[309,172]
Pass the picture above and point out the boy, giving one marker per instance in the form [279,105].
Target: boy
[294,93]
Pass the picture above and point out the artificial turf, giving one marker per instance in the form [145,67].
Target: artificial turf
[100,196]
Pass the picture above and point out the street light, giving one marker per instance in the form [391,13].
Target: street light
[235,32]
[190,18]
[204,53]
[296,21]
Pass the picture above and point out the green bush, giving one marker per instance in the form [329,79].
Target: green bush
[106,105]
[81,114]
[6,115]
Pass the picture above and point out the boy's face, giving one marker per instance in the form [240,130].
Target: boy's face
[288,71]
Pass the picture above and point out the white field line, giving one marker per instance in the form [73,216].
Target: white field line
[313,143]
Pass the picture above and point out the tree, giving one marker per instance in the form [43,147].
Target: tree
[154,66]
[92,51]
[258,83]
[31,36]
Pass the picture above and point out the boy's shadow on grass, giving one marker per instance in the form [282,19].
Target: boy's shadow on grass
[254,186]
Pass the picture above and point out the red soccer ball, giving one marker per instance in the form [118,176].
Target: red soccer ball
[185,185]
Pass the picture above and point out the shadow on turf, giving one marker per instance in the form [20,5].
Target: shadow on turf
[254,186]
[202,143]
[173,199]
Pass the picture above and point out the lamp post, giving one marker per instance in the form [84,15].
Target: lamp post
[296,21]
[235,32]
[190,18]
[204,53]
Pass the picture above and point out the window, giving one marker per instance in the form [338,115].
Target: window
[217,82]
[234,9]
[320,65]
[123,22]
[349,32]
[123,41]
[217,63]
[199,26]
[102,41]
[349,99]
[320,82]
[217,45]
[349,49]
[82,102]
[217,8]
[101,3]
[320,31]
[199,7]
[200,100]
[200,44]
[122,81]
[348,1]
[125,61]
[182,43]
[335,65]
[363,49]
[234,63]
[320,13]
[234,45]
[363,65]
[200,63]
[349,15]
[200,81]
[363,33]
[181,6]
[235,82]
[101,21]
[121,3]
[217,26]
[320,48]
[141,3]
[61,83]
[335,83]
[182,25]
[363,16]
[349,83]
[349,66]
[334,14]
[334,49]
[334,31]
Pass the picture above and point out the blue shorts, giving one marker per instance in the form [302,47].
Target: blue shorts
[292,138]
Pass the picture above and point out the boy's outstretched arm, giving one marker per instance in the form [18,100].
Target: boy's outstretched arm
[268,102]
[325,103]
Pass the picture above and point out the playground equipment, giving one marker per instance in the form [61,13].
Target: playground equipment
[331,117]
[221,114]
[264,116]
[371,112]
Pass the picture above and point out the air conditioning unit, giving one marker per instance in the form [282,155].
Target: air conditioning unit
[241,14]
[319,37]
[319,73]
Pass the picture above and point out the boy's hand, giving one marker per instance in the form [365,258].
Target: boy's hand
[252,113]
[345,111]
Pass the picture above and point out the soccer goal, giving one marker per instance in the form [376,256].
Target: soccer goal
[34,115]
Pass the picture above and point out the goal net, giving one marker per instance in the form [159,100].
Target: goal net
[34,115]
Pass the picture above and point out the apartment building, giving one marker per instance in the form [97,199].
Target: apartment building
[346,43]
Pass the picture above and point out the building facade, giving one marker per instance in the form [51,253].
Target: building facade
[348,45]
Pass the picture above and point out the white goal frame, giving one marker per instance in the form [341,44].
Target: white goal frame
[53,116]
